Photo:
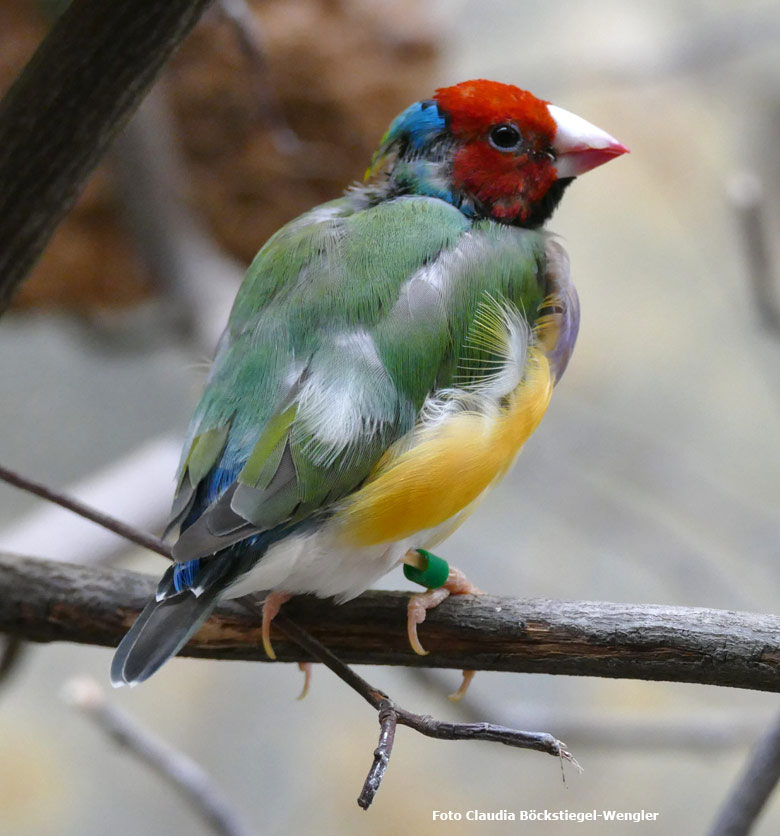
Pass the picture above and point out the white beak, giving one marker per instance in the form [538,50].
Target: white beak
[580,146]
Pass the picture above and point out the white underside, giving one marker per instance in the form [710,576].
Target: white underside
[321,564]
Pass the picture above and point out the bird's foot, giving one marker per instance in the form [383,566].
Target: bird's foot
[464,686]
[305,668]
[417,610]
[271,606]
[419,604]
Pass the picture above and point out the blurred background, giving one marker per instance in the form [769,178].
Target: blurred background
[654,478]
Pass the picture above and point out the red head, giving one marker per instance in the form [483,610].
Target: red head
[513,147]
[500,152]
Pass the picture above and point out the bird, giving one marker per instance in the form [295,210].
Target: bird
[387,356]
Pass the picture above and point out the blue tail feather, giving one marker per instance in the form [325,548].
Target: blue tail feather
[185,574]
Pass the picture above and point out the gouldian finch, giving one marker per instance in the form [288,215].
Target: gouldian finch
[387,356]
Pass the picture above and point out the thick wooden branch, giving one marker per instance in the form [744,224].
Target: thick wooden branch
[46,601]
[84,81]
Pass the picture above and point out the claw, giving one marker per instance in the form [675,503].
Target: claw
[419,604]
[416,611]
[305,668]
[464,686]
[271,606]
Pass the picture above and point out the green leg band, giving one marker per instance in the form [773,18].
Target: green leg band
[435,573]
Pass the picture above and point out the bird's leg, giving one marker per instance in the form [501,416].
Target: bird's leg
[464,686]
[417,610]
[271,606]
[305,668]
[419,604]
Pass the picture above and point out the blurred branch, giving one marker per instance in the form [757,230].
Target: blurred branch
[47,601]
[250,37]
[87,76]
[177,769]
[747,197]
[752,791]
[14,650]
[198,280]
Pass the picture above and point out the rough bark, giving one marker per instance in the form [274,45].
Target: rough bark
[45,601]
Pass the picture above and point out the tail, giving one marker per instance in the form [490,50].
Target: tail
[160,631]
[186,595]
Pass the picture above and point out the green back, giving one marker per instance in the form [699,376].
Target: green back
[348,318]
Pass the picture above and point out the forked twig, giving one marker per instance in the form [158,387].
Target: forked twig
[390,714]
[388,722]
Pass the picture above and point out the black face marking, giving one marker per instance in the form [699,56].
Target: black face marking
[505,137]
[543,210]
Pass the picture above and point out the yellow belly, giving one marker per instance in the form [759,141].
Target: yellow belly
[448,467]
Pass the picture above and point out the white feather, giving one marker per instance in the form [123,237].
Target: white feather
[339,407]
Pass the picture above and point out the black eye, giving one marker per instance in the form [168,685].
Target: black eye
[505,137]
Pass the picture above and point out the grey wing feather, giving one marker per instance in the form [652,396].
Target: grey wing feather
[218,527]
[162,629]
[241,512]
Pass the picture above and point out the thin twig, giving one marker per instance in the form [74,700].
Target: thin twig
[307,642]
[690,732]
[753,788]
[173,766]
[388,722]
[15,649]
[129,532]
[422,723]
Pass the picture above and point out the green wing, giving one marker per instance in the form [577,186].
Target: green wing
[348,319]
